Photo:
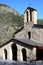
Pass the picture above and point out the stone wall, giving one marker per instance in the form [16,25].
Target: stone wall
[37,34]
[30,55]
[9,51]
[20,34]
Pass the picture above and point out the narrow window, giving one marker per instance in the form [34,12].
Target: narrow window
[30,15]
[5,51]
[27,15]
[24,54]
[29,34]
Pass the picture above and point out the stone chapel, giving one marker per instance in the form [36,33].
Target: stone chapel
[27,44]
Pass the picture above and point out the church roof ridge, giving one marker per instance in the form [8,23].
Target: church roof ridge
[30,9]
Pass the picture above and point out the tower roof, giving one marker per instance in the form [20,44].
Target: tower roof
[30,8]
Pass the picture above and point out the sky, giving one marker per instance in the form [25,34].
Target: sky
[21,5]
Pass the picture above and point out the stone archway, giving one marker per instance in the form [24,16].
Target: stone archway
[14,52]
[5,52]
[24,54]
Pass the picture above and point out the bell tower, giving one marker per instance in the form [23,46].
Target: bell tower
[30,16]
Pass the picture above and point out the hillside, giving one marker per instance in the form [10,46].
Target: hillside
[40,21]
[10,21]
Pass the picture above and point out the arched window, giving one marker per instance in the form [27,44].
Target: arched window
[29,34]
[5,52]
[14,51]
[24,54]
[30,15]
[27,15]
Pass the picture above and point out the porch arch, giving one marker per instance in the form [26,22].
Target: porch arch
[24,54]
[5,52]
[14,51]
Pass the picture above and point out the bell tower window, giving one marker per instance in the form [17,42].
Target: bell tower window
[30,15]
[27,15]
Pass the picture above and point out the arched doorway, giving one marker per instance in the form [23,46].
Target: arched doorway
[5,52]
[14,51]
[24,54]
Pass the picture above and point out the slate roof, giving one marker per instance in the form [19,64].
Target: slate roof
[24,41]
[37,26]
[30,42]
[30,9]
